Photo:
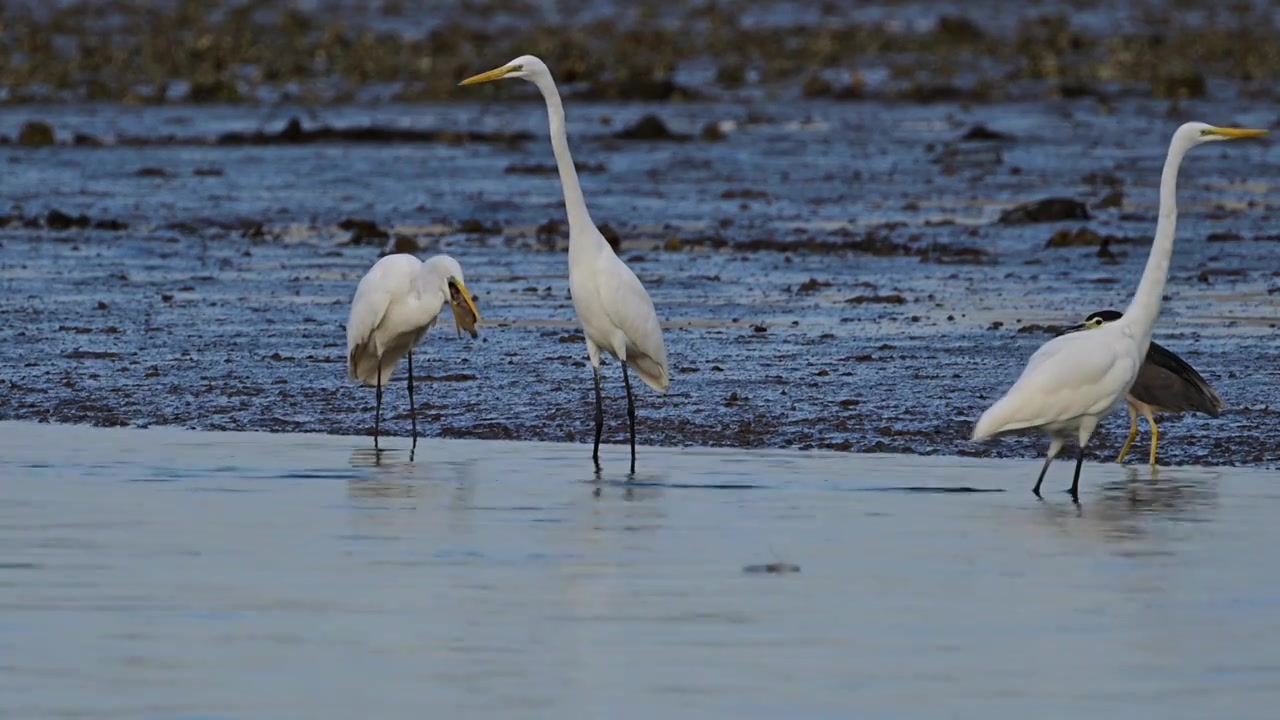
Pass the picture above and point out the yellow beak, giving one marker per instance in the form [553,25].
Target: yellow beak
[465,313]
[496,74]
[1237,133]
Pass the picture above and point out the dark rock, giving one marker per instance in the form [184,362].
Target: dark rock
[649,127]
[110,224]
[58,220]
[811,286]
[401,244]
[984,133]
[151,172]
[472,226]
[207,172]
[36,133]
[817,86]
[85,140]
[1224,237]
[1080,237]
[1046,210]
[549,169]
[1113,199]
[711,132]
[363,232]
[611,236]
[894,299]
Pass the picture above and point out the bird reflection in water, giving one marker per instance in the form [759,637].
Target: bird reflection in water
[1137,505]
[394,476]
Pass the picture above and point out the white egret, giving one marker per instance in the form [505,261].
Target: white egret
[612,306]
[1165,384]
[1074,380]
[395,304]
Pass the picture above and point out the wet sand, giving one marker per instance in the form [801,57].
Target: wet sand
[830,275]
[177,574]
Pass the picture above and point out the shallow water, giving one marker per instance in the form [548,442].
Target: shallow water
[173,574]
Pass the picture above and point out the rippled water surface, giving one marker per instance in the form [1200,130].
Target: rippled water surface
[176,574]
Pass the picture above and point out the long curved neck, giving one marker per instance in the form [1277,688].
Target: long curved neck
[574,204]
[1145,306]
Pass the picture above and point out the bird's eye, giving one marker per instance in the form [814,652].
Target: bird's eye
[1204,132]
[517,68]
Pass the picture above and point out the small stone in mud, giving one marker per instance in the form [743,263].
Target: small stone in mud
[102,305]
[571,338]
[151,172]
[711,132]
[649,127]
[1218,237]
[36,133]
[811,286]
[773,568]
[1046,210]
[207,172]
[85,140]
[894,299]
[983,133]
[759,328]
[673,244]
[363,232]
[166,297]
[1080,237]
[110,224]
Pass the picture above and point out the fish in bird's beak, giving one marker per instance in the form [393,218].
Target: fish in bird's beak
[465,314]
[484,77]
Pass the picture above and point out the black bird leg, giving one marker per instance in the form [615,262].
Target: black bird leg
[1040,479]
[595,452]
[377,408]
[1075,482]
[631,416]
[413,413]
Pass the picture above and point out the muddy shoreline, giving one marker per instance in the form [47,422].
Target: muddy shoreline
[822,287]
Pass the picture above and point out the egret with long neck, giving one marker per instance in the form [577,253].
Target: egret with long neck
[1075,380]
[612,306]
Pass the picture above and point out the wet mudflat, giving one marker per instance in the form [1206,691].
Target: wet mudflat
[174,574]
[831,275]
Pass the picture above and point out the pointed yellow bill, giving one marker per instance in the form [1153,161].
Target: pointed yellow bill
[495,74]
[465,314]
[1237,133]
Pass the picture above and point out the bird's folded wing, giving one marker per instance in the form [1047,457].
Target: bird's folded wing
[629,308]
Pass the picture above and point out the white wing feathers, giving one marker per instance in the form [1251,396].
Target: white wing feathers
[629,308]
[1067,378]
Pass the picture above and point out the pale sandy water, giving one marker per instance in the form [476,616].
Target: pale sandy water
[176,574]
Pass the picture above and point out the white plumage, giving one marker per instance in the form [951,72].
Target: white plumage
[395,304]
[1075,380]
[616,313]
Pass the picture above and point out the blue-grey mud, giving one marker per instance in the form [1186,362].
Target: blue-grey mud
[164,573]
[831,266]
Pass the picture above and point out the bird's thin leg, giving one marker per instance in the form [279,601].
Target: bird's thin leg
[595,451]
[1155,433]
[1054,446]
[377,407]
[631,415]
[1133,433]
[1040,479]
[1075,482]
[413,413]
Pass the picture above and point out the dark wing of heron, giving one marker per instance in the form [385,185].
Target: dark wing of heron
[1169,384]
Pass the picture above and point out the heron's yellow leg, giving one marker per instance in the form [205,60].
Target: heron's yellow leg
[1155,433]
[1133,433]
